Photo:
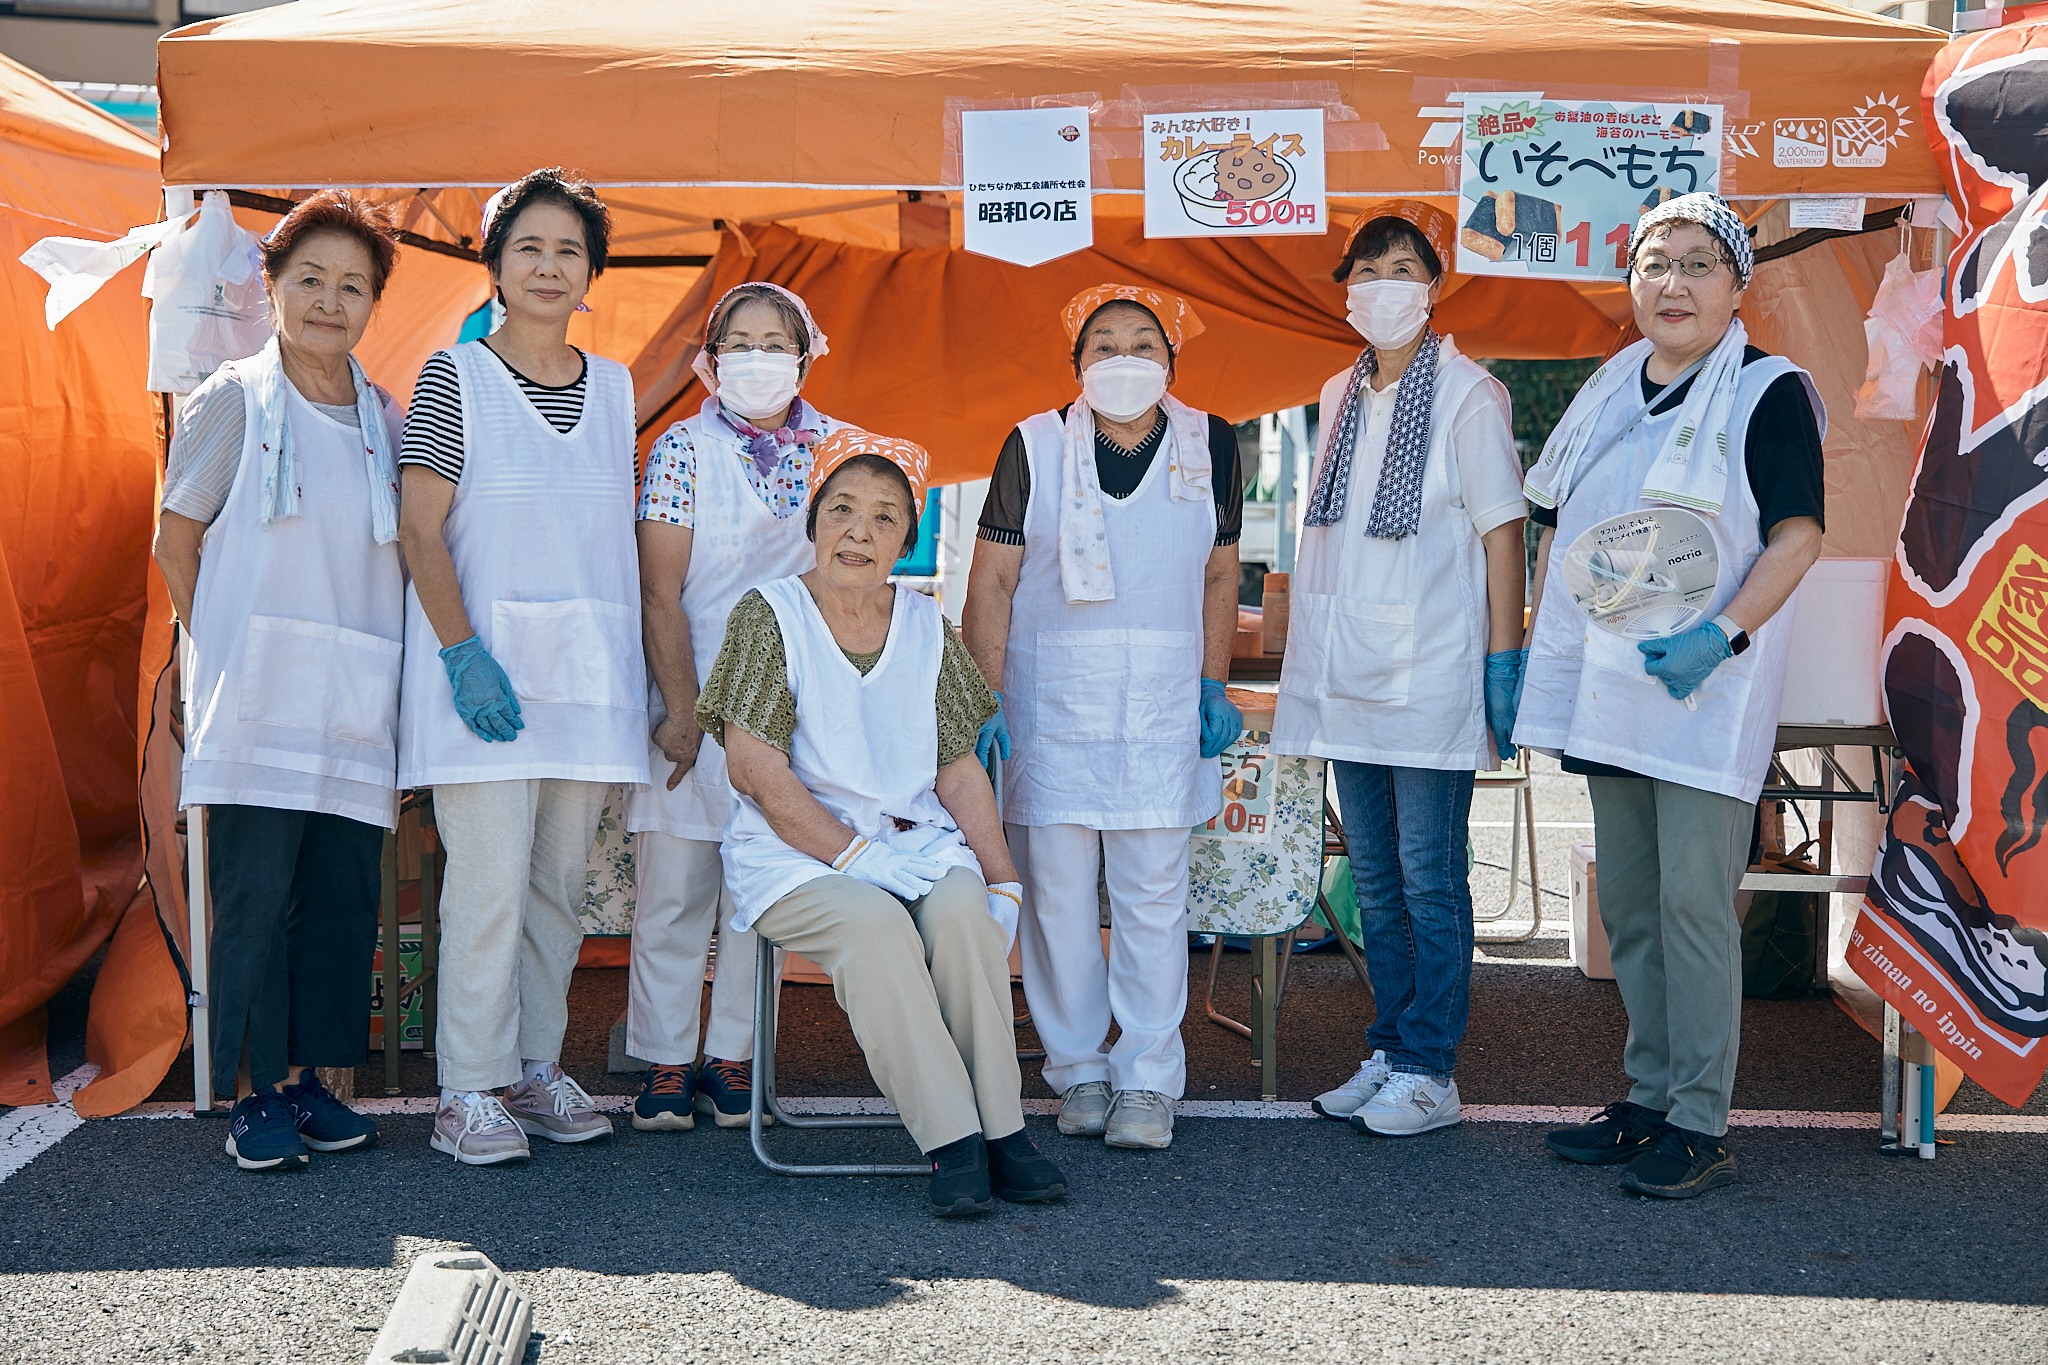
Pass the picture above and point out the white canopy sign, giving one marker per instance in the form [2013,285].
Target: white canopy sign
[1025,176]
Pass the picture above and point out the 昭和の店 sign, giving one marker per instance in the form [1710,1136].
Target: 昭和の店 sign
[1234,173]
[1025,183]
[1553,188]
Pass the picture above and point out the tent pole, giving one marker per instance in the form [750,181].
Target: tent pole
[196,904]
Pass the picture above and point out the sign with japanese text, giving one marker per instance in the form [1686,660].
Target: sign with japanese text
[1553,188]
[1234,173]
[1025,177]
[1248,770]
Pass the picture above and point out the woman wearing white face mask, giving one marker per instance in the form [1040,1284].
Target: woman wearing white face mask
[1103,602]
[1405,648]
[721,512]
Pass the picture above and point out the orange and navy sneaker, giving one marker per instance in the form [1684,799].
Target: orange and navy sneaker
[665,1099]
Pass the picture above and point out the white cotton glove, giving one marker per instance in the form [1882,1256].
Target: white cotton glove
[1005,899]
[908,876]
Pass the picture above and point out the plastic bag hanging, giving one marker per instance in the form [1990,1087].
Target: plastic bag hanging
[205,283]
[1904,335]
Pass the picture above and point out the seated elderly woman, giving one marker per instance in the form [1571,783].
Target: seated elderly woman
[865,834]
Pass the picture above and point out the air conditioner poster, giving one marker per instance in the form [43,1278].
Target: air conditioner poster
[1552,188]
[1234,173]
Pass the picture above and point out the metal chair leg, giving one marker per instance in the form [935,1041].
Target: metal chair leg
[1528,791]
[762,1103]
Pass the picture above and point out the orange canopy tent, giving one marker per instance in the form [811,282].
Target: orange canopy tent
[78,459]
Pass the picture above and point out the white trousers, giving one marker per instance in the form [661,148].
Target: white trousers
[681,899]
[518,858]
[1073,993]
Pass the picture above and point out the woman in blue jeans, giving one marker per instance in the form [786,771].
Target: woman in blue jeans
[1404,650]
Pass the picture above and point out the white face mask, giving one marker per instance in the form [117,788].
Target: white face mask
[1122,387]
[758,383]
[1388,312]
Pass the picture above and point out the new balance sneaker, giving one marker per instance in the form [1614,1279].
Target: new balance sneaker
[1139,1118]
[1020,1173]
[325,1123]
[476,1131]
[1084,1109]
[667,1096]
[1409,1104]
[263,1135]
[1348,1098]
[1680,1164]
[725,1090]
[959,1185]
[556,1108]
[1614,1137]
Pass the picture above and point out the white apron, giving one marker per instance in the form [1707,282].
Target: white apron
[1585,691]
[866,747]
[1386,649]
[291,693]
[1103,699]
[541,532]
[738,545]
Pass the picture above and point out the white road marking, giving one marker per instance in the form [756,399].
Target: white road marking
[26,1133]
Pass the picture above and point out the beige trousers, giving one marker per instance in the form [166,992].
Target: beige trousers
[928,991]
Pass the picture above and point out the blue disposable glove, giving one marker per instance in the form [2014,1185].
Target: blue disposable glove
[1222,723]
[1503,695]
[483,694]
[995,734]
[1683,662]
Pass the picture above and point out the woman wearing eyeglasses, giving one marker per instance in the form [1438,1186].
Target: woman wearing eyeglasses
[721,512]
[1691,417]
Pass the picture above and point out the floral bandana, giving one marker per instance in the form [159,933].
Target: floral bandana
[847,442]
[1172,310]
[766,448]
[1432,222]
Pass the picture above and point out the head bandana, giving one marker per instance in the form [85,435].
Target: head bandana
[1432,222]
[1173,312]
[847,442]
[491,207]
[1711,212]
[705,364]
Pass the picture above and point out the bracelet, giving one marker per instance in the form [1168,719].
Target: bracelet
[1008,895]
[849,853]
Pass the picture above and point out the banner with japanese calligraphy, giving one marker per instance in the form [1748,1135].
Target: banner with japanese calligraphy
[1025,177]
[1553,188]
[1954,929]
[1234,173]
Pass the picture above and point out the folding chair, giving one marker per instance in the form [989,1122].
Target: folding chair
[1515,777]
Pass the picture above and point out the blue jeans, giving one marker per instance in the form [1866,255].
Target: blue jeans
[1406,832]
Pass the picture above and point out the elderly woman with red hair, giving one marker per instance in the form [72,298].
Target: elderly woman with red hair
[279,542]
[865,834]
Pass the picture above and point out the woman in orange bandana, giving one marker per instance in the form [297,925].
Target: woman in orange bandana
[865,834]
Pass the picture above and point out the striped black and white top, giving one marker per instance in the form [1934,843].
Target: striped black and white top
[433,424]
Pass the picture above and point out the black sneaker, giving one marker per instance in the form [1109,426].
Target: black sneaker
[1616,1134]
[725,1090]
[1020,1173]
[263,1134]
[1679,1165]
[959,1185]
[667,1098]
[325,1123]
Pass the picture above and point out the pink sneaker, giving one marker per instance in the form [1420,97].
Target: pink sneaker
[556,1108]
[476,1131]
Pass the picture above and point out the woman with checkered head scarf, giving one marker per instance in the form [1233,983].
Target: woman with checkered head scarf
[1695,437]
[1103,602]
[1404,649]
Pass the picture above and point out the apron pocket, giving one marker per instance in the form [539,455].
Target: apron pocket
[579,652]
[1368,652]
[1118,686]
[320,679]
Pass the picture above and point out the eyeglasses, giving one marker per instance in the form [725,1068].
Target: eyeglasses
[771,347]
[1695,265]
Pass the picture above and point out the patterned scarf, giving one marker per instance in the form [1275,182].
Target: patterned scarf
[766,448]
[1397,504]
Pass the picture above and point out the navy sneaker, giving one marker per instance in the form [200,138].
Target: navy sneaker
[263,1136]
[725,1091]
[1680,1164]
[325,1123]
[1020,1173]
[667,1099]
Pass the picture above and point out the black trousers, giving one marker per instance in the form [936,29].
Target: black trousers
[294,933]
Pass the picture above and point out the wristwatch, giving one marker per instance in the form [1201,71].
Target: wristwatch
[1738,638]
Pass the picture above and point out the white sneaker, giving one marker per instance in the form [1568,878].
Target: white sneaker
[1084,1109]
[1409,1104]
[1348,1098]
[1139,1118]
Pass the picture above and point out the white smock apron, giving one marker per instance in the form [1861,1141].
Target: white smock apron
[867,747]
[291,688]
[1386,647]
[1103,699]
[737,545]
[1585,691]
[541,532]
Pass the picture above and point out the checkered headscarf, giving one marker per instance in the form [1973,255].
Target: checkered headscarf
[1711,212]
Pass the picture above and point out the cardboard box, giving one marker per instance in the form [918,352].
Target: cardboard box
[1588,934]
[1831,675]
